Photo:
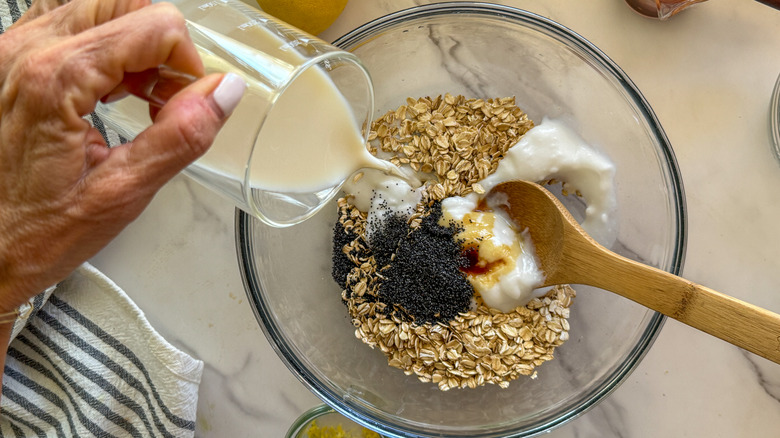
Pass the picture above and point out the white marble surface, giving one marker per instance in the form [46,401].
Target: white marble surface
[707,73]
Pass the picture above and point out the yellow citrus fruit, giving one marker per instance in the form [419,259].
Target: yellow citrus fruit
[312,16]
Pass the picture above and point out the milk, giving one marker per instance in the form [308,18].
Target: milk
[309,140]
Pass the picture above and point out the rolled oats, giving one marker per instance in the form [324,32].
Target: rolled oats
[459,141]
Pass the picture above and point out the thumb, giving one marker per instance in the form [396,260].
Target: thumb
[183,129]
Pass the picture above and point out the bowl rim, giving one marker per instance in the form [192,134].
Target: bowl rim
[244,222]
[774,118]
[303,420]
[313,413]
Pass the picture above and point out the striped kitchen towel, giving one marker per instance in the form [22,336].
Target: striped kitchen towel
[88,363]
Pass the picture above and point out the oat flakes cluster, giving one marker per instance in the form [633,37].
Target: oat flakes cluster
[460,141]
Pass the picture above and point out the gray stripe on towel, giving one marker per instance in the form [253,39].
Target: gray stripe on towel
[17,422]
[43,392]
[18,432]
[41,369]
[15,9]
[90,400]
[122,349]
[111,365]
[34,410]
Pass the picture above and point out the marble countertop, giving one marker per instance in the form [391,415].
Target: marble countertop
[708,74]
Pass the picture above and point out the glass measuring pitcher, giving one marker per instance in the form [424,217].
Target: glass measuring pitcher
[297,133]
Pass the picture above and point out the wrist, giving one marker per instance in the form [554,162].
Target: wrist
[22,276]
[15,294]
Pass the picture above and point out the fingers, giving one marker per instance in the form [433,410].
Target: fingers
[85,14]
[78,71]
[153,36]
[182,131]
[133,43]
[155,85]
[95,148]
[78,15]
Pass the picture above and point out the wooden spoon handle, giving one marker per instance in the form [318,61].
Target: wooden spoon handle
[747,326]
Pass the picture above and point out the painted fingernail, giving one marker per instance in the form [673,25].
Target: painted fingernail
[228,93]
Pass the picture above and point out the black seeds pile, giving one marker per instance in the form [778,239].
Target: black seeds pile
[420,277]
[424,282]
[386,234]
[342,265]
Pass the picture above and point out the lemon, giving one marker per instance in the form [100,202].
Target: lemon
[312,16]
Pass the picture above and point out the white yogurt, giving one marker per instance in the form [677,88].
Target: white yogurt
[553,150]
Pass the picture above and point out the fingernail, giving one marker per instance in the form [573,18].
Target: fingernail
[228,93]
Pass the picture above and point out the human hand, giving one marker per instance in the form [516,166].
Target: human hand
[63,193]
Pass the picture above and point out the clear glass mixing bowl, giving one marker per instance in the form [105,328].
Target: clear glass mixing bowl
[479,50]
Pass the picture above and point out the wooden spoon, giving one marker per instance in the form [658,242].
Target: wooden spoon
[570,256]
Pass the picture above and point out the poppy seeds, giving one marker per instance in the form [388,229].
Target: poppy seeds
[425,282]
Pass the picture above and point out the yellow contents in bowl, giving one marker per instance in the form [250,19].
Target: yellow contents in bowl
[316,431]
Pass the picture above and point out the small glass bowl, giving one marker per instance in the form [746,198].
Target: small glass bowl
[325,418]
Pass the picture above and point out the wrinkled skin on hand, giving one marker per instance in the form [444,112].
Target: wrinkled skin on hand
[63,193]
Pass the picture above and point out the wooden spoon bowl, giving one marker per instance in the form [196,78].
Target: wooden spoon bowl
[568,255]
